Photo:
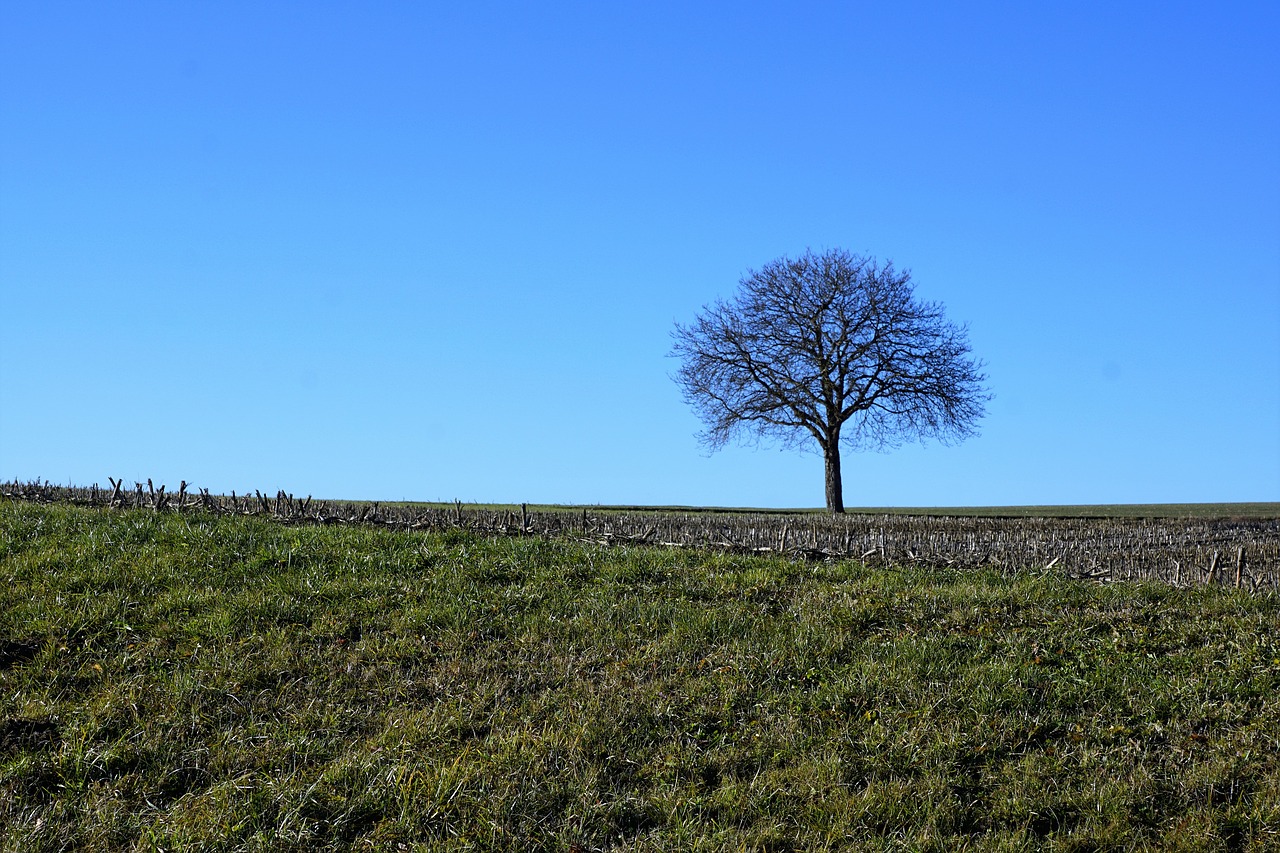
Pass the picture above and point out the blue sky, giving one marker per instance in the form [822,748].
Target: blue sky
[435,251]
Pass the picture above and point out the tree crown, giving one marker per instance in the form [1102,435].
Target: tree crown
[835,347]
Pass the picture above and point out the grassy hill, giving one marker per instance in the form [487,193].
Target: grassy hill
[186,681]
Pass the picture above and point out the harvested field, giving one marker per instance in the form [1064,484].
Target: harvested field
[1238,551]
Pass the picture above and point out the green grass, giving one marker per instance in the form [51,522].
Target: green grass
[190,682]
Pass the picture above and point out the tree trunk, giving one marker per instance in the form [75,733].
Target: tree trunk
[835,491]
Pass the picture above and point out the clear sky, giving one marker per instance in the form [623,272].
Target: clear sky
[435,251]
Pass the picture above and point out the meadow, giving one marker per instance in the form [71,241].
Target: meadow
[219,681]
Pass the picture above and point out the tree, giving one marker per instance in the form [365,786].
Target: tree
[834,348]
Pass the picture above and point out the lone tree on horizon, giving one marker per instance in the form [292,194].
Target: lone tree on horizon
[833,347]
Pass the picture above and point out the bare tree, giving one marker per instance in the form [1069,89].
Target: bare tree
[833,347]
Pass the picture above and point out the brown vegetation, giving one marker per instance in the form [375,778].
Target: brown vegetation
[1244,553]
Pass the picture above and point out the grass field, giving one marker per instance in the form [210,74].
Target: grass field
[182,681]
